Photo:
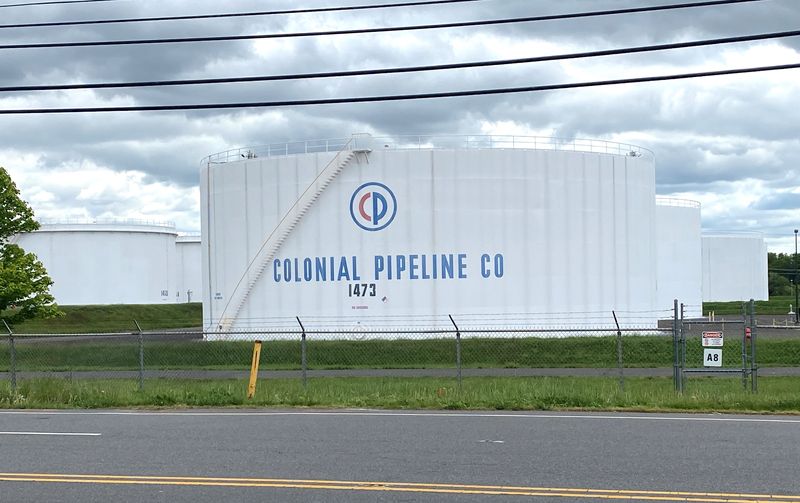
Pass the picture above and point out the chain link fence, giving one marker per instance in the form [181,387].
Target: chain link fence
[402,346]
[485,345]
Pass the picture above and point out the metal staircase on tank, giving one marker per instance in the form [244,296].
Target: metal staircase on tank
[269,248]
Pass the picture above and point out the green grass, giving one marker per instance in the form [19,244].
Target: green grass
[116,318]
[586,352]
[778,305]
[776,394]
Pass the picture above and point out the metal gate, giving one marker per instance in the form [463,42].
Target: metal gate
[745,328]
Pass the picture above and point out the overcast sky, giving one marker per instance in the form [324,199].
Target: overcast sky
[730,142]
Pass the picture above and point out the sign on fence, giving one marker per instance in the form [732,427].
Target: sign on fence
[712,357]
[712,342]
[712,339]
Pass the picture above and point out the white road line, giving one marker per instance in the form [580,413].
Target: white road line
[49,434]
[376,413]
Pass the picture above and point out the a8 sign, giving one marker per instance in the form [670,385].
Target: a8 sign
[712,357]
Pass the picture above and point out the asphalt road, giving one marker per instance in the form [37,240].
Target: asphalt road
[395,456]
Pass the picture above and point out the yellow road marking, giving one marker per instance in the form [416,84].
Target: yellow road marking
[607,494]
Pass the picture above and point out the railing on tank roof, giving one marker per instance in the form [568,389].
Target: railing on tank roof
[106,221]
[414,142]
[677,202]
[730,234]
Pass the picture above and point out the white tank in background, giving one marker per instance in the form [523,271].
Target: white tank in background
[734,266]
[189,275]
[679,254]
[107,262]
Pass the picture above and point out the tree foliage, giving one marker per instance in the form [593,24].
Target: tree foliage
[782,269]
[24,283]
[779,285]
[15,214]
[24,286]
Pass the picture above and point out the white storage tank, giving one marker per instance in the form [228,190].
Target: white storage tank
[106,262]
[375,230]
[734,266]
[679,254]
[189,275]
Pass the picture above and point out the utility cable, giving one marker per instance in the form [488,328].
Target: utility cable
[235,14]
[399,97]
[408,69]
[53,2]
[385,29]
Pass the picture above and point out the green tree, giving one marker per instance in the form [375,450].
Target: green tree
[779,285]
[24,283]
[781,273]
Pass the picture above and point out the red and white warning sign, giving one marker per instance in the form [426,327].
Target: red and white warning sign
[712,339]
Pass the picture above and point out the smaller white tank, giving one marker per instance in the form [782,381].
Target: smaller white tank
[106,262]
[734,266]
[679,254]
[190,279]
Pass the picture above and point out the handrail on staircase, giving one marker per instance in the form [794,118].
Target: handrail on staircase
[292,209]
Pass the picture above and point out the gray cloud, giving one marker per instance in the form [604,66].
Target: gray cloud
[778,201]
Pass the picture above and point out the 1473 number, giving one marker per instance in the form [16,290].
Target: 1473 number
[361,290]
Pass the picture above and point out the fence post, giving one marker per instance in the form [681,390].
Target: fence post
[676,352]
[682,329]
[753,363]
[303,360]
[745,329]
[141,356]
[13,361]
[458,351]
[619,354]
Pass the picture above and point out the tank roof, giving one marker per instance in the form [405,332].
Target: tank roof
[733,234]
[106,225]
[188,238]
[677,202]
[429,142]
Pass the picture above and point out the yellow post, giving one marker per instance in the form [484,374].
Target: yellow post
[251,388]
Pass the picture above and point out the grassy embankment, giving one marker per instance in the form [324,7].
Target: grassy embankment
[777,305]
[777,394]
[116,318]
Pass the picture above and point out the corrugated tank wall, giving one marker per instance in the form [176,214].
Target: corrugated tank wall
[124,263]
[679,254]
[734,267]
[527,231]
[189,269]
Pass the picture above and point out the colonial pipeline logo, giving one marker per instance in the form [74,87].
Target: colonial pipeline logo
[373,206]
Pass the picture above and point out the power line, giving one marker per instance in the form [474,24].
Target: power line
[408,69]
[235,14]
[399,97]
[54,2]
[386,29]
